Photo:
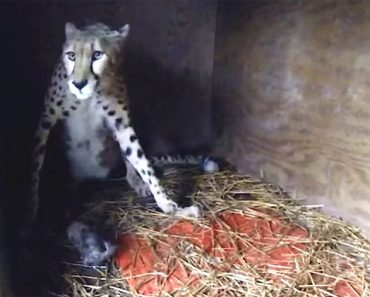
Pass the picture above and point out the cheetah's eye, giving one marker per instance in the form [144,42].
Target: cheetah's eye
[71,56]
[97,55]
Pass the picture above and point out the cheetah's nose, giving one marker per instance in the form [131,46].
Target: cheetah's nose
[80,84]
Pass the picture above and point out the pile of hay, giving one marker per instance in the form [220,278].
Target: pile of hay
[335,257]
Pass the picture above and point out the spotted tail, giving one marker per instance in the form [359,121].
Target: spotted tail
[206,163]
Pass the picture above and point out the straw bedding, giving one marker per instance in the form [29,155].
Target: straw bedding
[331,260]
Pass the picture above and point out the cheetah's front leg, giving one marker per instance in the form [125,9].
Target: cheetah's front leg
[135,181]
[135,155]
[45,125]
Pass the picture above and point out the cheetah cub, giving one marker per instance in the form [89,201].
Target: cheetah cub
[88,93]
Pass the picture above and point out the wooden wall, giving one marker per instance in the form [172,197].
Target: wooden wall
[292,98]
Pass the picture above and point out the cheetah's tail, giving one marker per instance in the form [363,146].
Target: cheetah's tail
[207,163]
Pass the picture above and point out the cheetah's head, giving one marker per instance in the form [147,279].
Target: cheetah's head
[88,54]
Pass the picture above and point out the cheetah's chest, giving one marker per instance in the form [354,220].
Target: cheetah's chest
[91,150]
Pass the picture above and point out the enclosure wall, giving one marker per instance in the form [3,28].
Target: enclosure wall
[292,98]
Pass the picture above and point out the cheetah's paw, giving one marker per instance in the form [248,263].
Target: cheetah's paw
[191,211]
[168,206]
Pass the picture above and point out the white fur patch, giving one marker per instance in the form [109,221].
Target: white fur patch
[98,65]
[69,65]
[191,211]
[210,166]
[82,125]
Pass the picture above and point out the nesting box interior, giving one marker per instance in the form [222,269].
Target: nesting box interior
[280,89]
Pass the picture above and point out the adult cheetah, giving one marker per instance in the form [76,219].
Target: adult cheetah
[88,93]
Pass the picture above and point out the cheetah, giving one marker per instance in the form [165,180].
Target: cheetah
[88,94]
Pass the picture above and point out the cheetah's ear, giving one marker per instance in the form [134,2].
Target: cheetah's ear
[123,32]
[70,30]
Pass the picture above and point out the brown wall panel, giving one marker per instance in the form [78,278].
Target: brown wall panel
[292,98]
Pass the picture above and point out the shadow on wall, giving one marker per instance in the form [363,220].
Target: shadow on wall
[167,112]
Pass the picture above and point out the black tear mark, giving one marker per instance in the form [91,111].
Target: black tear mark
[140,153]
[133,138]
[128,151]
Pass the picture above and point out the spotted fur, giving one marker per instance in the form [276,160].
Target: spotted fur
[88,94]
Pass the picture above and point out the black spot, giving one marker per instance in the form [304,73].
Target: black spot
[51,99]
[35,165]
[158,192]
[54,83]
[98,102]
[128,151]
[150,181]
[149,172]
[120,102]
[65,75]
[66,113]
[45,125]
[60,88]
[105,107]
[41,149]
[51,110]
[73,107]
[60,102]
[125,107]
[78,102]
[143,171]
[54,92]
[140,153]
[133,138]
[118,122]
[111,113]
[59,76]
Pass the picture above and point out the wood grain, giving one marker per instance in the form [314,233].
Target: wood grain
[292,99]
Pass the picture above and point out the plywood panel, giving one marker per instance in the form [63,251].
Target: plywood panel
[292,98]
